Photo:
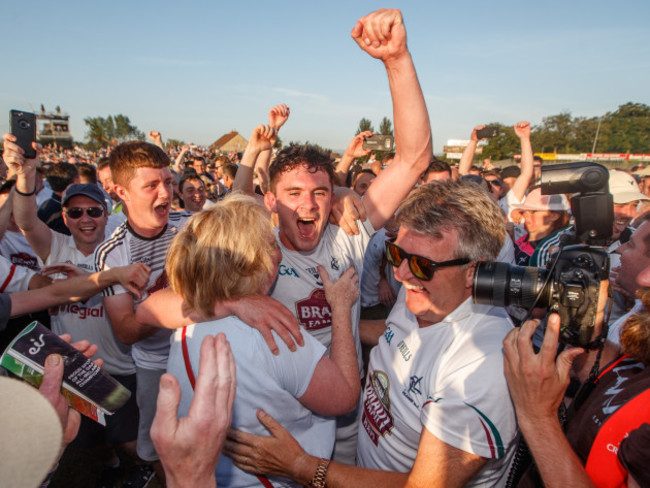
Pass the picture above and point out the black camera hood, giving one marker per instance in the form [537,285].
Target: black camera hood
[580,177]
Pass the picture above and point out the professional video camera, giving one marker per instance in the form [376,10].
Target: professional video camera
[570,284]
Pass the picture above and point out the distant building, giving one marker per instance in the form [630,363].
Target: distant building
[54,128]
[229,142]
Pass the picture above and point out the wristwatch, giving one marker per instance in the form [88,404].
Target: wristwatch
[318,481]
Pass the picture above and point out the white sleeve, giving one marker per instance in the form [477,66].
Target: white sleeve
[294,370]
[14,278]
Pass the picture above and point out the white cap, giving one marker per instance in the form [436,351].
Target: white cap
[624,187]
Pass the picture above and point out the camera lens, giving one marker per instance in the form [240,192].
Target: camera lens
[502,284]
[23,124]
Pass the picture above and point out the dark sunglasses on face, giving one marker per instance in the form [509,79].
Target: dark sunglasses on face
[77,212]
[421,267]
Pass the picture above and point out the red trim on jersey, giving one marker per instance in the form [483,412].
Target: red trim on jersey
[190,375]
[8,280]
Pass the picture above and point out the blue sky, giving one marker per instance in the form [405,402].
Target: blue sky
[198,69]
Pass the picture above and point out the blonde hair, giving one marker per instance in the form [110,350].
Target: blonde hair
[222,253]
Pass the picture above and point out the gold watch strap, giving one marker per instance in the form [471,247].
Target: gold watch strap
[318,481]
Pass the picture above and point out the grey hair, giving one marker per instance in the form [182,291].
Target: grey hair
[462,205]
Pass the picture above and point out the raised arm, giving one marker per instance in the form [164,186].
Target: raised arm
[468,153]
[177,166]
[156,138]
[6,210]
[260,140]
[278,116]
[38,234]
[382,35]
[354,150]
[519,187]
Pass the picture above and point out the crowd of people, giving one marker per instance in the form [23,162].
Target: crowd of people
[283,319]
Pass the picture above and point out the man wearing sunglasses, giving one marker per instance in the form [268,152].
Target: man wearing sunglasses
[85,215]
[436,408]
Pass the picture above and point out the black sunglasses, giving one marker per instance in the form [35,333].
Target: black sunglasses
[421,267]
[77,212]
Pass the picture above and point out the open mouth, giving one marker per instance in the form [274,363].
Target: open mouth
[162,209]
[307,227]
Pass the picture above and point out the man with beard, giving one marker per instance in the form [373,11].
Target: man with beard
[606,440]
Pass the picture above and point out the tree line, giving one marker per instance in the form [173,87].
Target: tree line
[625,130]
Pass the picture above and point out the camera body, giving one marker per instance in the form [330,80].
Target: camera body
[570,288]
[570,285]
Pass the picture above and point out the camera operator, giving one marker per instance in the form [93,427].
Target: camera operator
[605,441]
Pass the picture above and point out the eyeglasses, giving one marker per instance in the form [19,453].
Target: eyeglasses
[77,212]
[421,267]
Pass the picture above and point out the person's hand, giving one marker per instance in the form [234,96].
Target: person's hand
[355,147]
[278,115]
[133,277]
[266,314]
[522,129]
[67,269]
[155,137]
[185,148]
[387,295]
[263,137]
[382,34]
[346,210]
[474,136]
[51,389]
[189,447]
[15,160]
[537,382]
[276,455]
[343,292]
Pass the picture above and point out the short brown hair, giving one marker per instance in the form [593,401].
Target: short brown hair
[222,253]
[126,158]
[295,155]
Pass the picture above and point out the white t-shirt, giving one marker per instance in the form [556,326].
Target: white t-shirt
[15,248]
[14,278]
[369,283]
[447,377]
[126,247]
[300,289]
[265,381]
[88,319]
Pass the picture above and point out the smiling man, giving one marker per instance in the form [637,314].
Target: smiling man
[85,215]
[301,194]
[436,409]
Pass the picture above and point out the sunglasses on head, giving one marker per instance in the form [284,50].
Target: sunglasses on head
[421,267]
[77,212]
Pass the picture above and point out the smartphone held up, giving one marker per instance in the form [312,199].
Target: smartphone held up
[23,126]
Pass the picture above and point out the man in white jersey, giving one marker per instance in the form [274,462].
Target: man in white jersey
[143,181]
[301,195]
[436,408]
[85,215]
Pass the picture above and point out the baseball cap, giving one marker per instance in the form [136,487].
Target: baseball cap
[536,201]
[90,190]
[624,187]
